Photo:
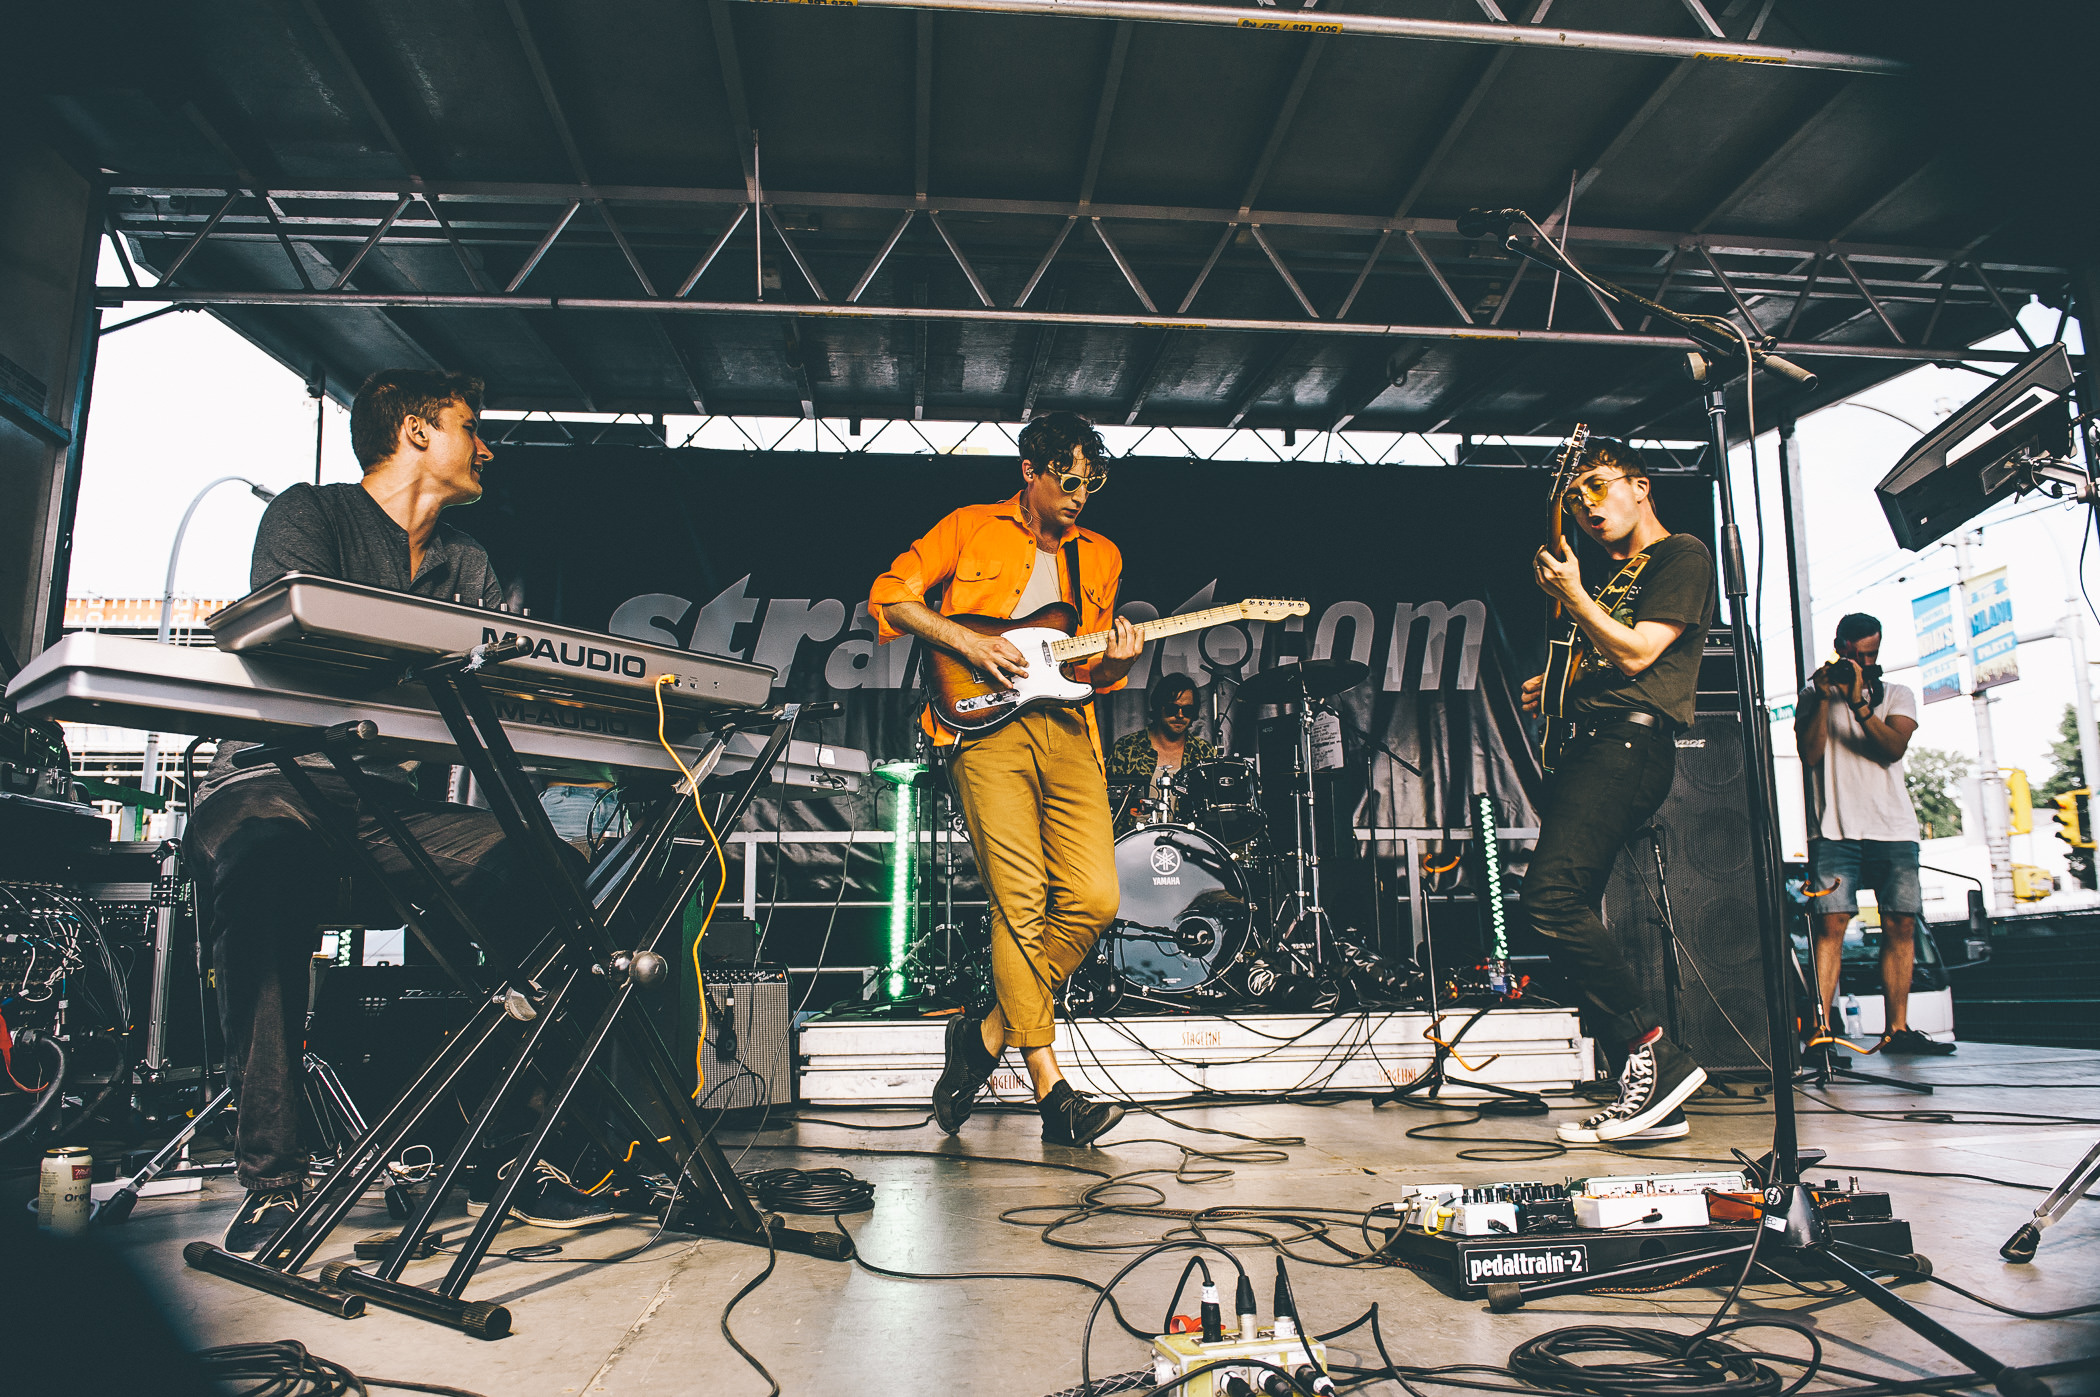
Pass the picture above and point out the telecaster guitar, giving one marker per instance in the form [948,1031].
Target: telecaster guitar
[968,700]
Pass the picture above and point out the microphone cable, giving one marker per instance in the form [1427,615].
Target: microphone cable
[829,1191]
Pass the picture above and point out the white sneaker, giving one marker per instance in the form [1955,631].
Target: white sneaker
[1659,1077]
[1672,1127]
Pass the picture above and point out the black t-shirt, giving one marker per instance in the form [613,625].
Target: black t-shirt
[1676,586]
[340,531]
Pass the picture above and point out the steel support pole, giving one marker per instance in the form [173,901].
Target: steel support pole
[1794,519]
[2072,628]
[1997,838]
[1392,27]
[358,300]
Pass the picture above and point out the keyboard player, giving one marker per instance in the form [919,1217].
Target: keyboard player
[265,878]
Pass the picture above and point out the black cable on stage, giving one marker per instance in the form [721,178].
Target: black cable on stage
[860,1259]
[772,1259]
[286,1369]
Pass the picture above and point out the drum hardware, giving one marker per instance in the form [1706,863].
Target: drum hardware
[1303,686]
[1223,798]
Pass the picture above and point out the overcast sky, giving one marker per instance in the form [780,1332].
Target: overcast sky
[184,399]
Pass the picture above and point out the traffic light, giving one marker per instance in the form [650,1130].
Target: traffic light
[2074,826]
[2020,799]
[2073,812]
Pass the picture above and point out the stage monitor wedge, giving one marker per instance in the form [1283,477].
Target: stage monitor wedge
[1949,477]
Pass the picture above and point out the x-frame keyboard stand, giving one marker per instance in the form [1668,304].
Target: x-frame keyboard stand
[547,1015]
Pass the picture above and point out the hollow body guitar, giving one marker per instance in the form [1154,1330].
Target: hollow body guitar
[970,701]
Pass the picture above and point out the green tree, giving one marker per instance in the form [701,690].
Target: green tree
[1931,774]
[2063,752]
[2066,778]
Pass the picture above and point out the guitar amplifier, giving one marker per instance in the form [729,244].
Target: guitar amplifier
[747,1052]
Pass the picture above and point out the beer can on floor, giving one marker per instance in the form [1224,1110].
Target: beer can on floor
[63,1190]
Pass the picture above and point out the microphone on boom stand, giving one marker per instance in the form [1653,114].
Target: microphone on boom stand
[1700,364]
[1478,223]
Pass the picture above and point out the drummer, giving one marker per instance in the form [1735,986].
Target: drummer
[1163,745]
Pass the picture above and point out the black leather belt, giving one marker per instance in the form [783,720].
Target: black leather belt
[1637,717]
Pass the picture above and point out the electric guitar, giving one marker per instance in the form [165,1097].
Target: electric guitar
[1563,636]
[969,700]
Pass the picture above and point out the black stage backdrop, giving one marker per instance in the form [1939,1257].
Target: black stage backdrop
[1421,573]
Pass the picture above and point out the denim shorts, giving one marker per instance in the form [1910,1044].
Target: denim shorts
[1889,867]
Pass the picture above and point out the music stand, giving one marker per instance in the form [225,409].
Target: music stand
[547,1015]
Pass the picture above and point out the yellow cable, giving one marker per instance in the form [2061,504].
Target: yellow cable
[631,1144]
[721,882]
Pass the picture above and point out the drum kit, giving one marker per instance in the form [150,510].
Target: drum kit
[1220,904]
[1221,899]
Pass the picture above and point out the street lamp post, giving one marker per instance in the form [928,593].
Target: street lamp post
[149,776]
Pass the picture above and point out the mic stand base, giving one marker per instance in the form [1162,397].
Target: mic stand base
[1825,1072]
[1437,1075]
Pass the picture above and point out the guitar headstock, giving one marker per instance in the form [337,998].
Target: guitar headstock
[1272,608]
[1565,462]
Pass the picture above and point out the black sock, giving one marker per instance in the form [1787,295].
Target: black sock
[1055,1097]
[979,1053]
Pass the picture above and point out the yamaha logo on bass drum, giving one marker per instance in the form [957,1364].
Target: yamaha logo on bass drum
[590,657]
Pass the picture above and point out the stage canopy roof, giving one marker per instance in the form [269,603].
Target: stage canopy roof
[1149,211]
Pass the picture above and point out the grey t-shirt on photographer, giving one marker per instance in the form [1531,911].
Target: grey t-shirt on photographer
[1853,792]
[340,531]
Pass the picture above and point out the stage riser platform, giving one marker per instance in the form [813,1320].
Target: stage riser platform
[1155,1058]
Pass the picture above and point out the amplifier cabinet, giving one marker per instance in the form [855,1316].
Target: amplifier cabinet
[748,1047]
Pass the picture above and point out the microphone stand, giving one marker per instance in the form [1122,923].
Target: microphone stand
[1792,1222]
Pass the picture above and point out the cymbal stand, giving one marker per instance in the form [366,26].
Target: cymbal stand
[1305,857]
[547,1015]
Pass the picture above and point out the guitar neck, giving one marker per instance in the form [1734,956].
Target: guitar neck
[1078,647]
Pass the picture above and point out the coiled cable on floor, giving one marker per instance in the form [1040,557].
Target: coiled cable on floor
[286,1369]
[826,1191]
[1679,1364]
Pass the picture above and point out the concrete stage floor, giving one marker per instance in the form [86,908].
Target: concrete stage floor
[652,1326]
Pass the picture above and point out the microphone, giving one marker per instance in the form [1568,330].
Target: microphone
[1805,377]
[1478,223]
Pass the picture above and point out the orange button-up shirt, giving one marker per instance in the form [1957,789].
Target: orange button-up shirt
[977,561]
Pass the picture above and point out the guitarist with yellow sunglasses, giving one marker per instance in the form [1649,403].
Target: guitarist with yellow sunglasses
[1636,644]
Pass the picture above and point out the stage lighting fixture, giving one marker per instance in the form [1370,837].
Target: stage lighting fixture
[2012,438]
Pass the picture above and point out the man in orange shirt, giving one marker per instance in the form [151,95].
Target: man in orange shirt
[1033,789]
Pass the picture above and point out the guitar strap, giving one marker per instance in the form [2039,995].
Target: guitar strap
[1072,576]
[1628,575]
[1608,597]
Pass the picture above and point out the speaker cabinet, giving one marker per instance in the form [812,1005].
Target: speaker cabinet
[747,1051]
[1709,988]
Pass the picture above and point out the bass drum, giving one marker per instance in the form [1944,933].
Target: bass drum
[1184,918]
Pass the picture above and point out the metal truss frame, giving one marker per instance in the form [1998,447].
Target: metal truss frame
[486,216]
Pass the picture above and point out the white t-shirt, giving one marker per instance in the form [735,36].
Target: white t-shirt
[1853,792]
[1043,587]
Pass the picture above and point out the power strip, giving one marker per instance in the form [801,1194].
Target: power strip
[1176,1354]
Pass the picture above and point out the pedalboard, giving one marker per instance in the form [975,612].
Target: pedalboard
[1469,1237]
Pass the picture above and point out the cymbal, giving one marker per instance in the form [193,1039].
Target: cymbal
[905,773]
[1315,679]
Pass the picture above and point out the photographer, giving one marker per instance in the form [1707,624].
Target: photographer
[1852,730]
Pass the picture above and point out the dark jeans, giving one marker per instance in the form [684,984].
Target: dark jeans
[266,880]
[1606,787]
